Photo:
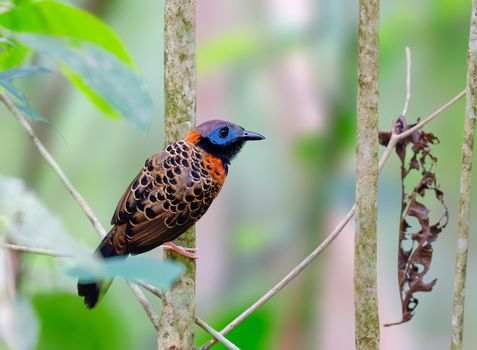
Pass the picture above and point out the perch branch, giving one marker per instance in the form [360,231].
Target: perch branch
[76,195]
[395,138]
[463,222]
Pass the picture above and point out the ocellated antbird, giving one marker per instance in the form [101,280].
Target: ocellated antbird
[171,192]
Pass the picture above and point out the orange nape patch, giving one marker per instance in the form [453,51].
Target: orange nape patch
[215,168]
[193,137]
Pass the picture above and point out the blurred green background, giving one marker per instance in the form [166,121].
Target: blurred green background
[287,69]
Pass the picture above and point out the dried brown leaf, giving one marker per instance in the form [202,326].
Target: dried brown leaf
[415,243]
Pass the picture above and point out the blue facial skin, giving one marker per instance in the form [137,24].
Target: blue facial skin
[225,141]
[224,135]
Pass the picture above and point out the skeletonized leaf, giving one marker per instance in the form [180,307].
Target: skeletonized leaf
[415,243]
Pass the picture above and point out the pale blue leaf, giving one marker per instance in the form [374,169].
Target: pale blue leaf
[16,73]
[159,273]
[22,103]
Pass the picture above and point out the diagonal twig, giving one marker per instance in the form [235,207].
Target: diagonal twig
[217,335]
[76,195]
[395,138]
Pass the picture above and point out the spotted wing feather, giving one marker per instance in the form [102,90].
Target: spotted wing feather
[167,197]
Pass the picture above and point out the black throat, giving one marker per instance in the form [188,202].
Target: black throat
[226,153]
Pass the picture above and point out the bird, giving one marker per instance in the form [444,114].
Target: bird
[170,194]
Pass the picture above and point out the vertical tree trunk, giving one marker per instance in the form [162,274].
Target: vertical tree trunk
[366,300]
[465,188]
[177,326]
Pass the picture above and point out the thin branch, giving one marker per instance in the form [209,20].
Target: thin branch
[463,223]
[408,81]
[227,343]
[53,164]
[395,138]
[76,195]
[39,251]
[145,304]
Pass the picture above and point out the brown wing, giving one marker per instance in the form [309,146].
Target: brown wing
[167,197]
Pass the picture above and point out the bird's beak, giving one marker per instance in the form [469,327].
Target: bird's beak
[251,136]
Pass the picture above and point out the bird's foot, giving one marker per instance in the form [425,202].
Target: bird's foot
[187,252]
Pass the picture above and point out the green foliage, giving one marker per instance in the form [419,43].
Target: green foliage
[89,53]
[66,324]
[12,54]
[102,72]
[159,273]
[58,19]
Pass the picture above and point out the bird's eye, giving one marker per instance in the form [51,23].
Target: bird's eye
[224,132]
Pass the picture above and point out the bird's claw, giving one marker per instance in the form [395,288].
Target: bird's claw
[184,251]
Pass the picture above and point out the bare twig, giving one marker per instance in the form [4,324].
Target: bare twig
[39,251]
[463,223]
[76,195]
[227,343]
[287,279]
[145,304]
[395,138]
[408,81]
[53,164]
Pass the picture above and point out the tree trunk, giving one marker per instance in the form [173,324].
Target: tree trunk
[365,257]
[177,326]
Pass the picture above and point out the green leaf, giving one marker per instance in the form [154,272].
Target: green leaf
[96,99]
[159,273]
[12,54]
[103,73]
[55,18]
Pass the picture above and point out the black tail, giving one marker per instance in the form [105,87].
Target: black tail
[91,291]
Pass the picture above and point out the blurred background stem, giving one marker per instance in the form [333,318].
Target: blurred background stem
[463,223]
